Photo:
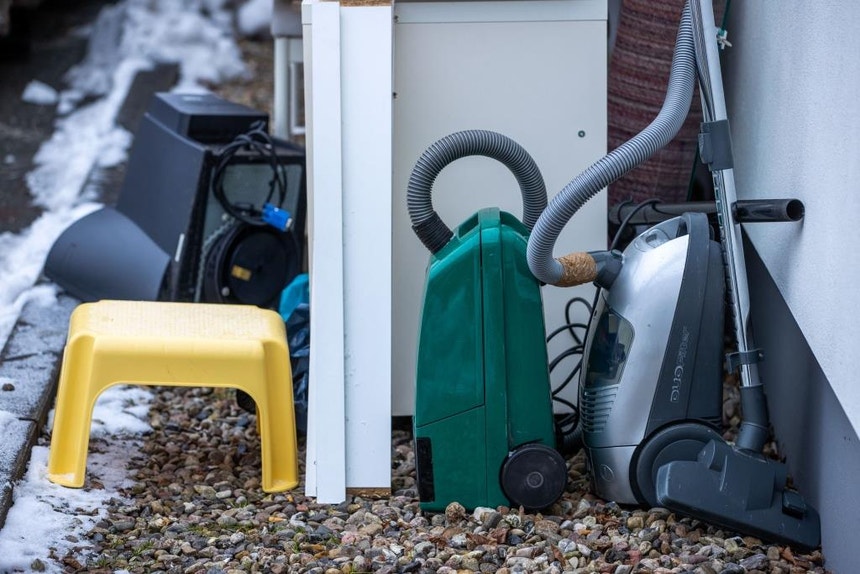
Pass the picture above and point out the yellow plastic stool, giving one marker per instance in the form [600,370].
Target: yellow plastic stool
[175,344]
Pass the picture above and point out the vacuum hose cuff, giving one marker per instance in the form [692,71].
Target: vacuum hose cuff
[433,232]
[577,268]
[601,267]
[679,95]
[429,228]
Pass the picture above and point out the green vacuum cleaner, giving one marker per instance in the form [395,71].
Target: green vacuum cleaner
[484,429]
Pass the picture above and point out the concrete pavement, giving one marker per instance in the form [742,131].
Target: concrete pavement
[29,364]
[31,358]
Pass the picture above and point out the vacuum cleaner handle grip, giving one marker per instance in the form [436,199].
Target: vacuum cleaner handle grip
[428,226]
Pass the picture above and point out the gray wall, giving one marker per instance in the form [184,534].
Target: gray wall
[810,424]
[792,81]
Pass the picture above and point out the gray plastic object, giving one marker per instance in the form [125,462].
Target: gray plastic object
[105,255]
[740,490]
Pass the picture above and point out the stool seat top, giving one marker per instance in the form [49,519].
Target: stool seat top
[168,320]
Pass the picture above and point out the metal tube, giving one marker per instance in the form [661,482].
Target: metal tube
[714,109]
[764,210]
[281,104]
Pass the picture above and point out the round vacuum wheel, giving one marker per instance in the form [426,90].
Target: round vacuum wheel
[533,476]
[683,441]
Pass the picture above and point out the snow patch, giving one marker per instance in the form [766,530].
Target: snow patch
[60,511]
[121,410]
[118,421]
[40,93]
[6,418]
[254,18]
[22,257]
[195,35]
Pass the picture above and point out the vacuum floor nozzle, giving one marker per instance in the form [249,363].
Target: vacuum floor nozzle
[740,490]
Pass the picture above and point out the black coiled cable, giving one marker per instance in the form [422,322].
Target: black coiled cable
[256,140]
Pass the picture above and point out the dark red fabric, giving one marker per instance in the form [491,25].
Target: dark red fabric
[638,76]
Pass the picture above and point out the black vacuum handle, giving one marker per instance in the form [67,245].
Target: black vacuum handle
[745,211]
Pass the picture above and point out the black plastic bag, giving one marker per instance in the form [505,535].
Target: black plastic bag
[299,339]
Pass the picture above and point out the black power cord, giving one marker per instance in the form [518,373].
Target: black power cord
[257,141]
[567,426]
[622,227]
[577,331]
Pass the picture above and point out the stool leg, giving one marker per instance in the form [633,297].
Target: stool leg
[76,394]
[277,424]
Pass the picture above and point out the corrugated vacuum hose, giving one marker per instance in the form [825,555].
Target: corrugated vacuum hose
[428,226]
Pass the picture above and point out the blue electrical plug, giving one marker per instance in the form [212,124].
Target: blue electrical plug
[276,217]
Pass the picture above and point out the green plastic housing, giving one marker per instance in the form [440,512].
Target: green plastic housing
[482,385]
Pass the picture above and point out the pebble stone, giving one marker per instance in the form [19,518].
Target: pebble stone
[194,506]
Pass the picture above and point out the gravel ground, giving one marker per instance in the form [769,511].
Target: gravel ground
[196,506]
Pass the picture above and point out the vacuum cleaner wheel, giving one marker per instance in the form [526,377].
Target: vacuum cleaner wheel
[682,441]
[533,476]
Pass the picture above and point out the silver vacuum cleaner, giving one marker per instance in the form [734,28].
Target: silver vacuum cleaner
[650,391]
